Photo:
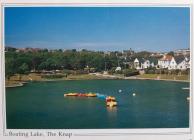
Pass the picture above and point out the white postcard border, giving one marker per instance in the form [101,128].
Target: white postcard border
[101,132]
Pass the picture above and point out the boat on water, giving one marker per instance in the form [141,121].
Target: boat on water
[101,96]
[110,98]
[91,95]
[82,95]
[71,94]
[111,103]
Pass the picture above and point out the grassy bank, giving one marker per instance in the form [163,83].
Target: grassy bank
[39,77]
[17,80]
[165,76]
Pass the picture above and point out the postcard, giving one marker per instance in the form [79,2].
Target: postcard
[96,70]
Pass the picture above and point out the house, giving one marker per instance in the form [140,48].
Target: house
[136,64]
[142,63]
[167,61]
[184,64]
[145,64]
[173,64]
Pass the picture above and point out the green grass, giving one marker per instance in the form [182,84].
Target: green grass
[165,76]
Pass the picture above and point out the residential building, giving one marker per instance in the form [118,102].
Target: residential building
[167,61]
[136,64]
[184,64]
[173,64]
[145,64]
[142,63]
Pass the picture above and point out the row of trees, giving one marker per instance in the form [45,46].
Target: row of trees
[24,62]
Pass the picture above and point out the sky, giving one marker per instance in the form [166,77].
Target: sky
[98,28]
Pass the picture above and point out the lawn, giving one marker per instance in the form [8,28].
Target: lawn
[165,76]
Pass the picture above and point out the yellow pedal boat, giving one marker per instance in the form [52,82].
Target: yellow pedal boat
[91,95]
[110,98]
[111,104]
[71,94]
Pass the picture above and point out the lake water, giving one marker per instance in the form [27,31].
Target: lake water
[42,105]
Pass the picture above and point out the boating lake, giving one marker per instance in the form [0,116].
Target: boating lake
[42,105]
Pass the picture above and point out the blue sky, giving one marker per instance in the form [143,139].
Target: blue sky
[98,28]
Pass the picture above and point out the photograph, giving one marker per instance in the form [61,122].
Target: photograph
[97,67]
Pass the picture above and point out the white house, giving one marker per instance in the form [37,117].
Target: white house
[167,61]
[184,64]
[142,64]
[173,64]
[136,64]
[146,64]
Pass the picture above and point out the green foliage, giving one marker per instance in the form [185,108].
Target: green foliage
[142,54]
[130,72]
[23,69]
[112,70]
[57,60]
[171,53]
[185,72]
[166,71]
[150,70]
[9,67]
[73,62]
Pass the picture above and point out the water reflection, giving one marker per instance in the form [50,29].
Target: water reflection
[112,112]
[112,116]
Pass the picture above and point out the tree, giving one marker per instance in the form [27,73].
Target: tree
[171,53]
[23,69]
[9,67]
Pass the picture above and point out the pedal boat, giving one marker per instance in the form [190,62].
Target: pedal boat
[91,95]
[71,94]
[111,103]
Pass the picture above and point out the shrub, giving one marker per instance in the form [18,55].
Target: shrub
[130,72]
[185,72]
[150,72]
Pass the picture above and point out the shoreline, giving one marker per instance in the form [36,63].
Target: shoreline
[170,80]
[14,85]
[101,77]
